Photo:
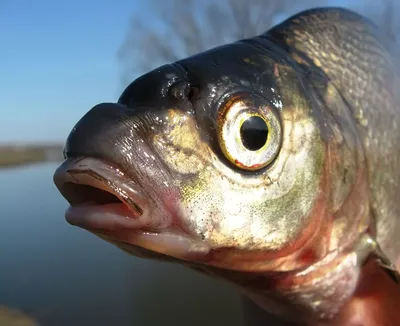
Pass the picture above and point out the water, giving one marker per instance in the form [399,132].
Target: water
[63,275]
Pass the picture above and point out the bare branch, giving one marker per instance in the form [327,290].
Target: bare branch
[388,23]
[186,27]
[180,28]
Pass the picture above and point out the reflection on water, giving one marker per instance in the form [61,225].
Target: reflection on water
[66,276]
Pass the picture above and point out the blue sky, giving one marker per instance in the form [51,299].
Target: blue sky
[57,60]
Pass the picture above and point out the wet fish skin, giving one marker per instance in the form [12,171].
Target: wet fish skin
[363,64]
[290,234]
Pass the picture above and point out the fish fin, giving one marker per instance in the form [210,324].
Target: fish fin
[386,264]
[368,248]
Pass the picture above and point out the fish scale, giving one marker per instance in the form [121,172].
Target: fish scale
[364,72]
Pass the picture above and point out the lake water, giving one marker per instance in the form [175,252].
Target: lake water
[63,275]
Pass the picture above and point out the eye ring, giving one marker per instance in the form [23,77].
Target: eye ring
[249,132]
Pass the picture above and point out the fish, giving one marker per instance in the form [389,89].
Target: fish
[270,163]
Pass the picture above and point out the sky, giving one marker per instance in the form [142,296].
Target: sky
[57,60]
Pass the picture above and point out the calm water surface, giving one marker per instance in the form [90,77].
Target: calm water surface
[65,276]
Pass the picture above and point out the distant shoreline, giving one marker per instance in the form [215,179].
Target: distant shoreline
[24,154]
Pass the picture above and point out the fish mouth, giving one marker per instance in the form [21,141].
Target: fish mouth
[107,202]
[100,195]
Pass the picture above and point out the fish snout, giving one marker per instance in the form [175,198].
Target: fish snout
[100,132]
[117,186]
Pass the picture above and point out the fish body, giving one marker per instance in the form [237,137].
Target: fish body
[270,162]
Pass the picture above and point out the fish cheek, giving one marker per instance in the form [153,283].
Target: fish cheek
[187,155]
[270,212]
[181,146]
[274,212]
[295,206]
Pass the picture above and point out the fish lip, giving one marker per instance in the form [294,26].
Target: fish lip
[132,221]
[103,176]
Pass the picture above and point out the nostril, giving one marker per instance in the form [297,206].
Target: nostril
[183,90]
[193,93]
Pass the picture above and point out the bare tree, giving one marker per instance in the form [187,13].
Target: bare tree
[184,27]
[389,19]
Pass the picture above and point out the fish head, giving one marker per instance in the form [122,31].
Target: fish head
[230,160]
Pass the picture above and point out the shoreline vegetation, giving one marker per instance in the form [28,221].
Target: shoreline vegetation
[13,317]
[17,155]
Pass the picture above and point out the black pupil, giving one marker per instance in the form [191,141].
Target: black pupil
[254,133]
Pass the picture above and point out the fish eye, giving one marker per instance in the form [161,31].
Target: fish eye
[254,133]
[249,133]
